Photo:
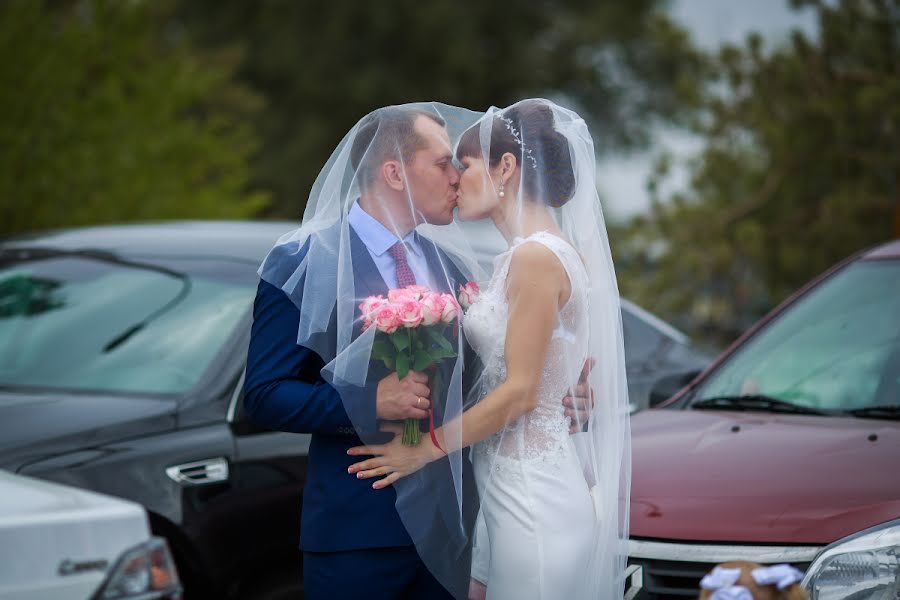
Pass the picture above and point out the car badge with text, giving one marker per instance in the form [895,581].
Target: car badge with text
[71,567]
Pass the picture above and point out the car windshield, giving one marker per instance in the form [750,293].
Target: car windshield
[79,322]
[835,349]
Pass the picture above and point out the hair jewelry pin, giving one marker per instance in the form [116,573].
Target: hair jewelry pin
[516,135]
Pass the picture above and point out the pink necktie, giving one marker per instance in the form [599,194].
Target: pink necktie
[405,276]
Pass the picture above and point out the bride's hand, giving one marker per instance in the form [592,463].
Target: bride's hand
[394,459]
[579,401]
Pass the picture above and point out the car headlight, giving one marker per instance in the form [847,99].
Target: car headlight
[864,566]
[145,572]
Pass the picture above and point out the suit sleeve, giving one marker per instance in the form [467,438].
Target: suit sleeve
[284,390]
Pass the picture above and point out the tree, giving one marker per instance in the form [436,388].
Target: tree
[322,66]
[800,170]
[103,119]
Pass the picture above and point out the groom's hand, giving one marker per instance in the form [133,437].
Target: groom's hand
[405,398]
[579,402]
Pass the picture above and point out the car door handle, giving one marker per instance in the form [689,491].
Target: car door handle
[201,472]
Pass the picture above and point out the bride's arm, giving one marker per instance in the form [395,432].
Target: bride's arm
[537,286]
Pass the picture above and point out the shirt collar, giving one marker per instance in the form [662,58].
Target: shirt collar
[376,237]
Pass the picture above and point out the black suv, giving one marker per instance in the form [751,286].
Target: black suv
[122,353]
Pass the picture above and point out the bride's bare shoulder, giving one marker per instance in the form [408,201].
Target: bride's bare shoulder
[534,262]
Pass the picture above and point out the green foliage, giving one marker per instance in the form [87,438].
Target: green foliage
[381,350]
[422,360]
[800,170]
[437,336]
[322,66]
[107,116]
[402,365]
[420,348]
[401,339]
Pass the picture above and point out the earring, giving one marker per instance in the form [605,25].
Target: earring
[502,193]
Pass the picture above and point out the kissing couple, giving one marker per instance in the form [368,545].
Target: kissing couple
[470,432]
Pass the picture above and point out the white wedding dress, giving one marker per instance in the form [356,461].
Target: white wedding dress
[537,522]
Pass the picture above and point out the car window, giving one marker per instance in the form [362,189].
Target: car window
[82,323]
[837,348]
[642,341]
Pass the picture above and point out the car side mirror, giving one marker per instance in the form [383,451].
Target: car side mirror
[667,386]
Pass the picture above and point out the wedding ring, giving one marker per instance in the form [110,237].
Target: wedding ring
[418,401]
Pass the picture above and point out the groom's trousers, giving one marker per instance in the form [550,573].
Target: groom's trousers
[373,574]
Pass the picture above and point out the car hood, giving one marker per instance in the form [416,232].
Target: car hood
[35,426]
[760,477]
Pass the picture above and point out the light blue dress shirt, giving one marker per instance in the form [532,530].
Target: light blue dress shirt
[378,239]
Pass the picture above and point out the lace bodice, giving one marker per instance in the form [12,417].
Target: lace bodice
[541,434]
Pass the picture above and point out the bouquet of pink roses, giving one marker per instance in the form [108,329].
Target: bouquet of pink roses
[411,324]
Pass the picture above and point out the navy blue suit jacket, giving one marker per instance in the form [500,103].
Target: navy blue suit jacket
[284,391]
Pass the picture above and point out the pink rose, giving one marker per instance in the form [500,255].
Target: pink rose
[409,312]
[451,308]
[419,290]
[468,294]
[368,308]
[386,318]
[432,308]
[402,295]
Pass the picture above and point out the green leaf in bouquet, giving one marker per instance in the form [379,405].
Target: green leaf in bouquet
[439,354]
[422,361]
[437,387]
[400,339]
[402,365]
[381,350]
[437,336]
[389,362]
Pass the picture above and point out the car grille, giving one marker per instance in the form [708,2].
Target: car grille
[664,579]
[660,577]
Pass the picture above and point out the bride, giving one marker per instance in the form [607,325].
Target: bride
[553,505]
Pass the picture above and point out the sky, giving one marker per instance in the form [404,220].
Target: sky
[622,179]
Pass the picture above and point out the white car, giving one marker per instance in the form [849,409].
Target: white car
[60,542]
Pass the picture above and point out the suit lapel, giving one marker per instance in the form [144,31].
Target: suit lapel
[440,266]
[365,273]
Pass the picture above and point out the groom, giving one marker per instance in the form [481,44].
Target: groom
[353,541]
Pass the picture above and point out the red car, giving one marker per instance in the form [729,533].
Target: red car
[786,449]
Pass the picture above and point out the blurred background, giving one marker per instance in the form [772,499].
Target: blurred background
[742,147]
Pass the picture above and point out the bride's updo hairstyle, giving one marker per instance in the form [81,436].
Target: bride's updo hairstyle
[526,131]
